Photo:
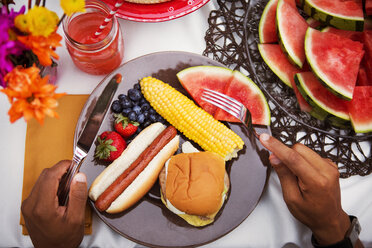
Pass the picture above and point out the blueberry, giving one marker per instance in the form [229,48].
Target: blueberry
[137,86]
[139,129]
[137,109]
[122,97]
[116,106]
[152,118]
[134,95]
[152,111]
[160,119]
[146,114]
[126,111]
[132,116]
[147,123]
[145,106]
[140,118]
[126,103]
[143,101]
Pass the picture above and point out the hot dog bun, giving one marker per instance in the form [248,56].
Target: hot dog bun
[145,180]
[194,186]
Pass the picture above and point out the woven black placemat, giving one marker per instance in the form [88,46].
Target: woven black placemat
[232,39]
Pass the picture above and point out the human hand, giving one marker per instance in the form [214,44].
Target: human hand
[49,224]
[311,189]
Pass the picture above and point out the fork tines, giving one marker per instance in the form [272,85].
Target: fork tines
[222,101]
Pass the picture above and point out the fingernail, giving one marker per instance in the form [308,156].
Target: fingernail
[264,137]
[274,160]
[80,177]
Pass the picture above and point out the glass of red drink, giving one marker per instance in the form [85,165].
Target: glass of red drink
[94,55]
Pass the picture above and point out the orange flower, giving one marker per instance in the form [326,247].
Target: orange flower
[30,95]
[43,47]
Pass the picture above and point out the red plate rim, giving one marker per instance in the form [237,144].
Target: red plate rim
[159,12]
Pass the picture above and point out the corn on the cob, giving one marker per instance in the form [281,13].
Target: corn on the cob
[195,123]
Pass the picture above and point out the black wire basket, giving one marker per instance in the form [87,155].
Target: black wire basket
[232,39]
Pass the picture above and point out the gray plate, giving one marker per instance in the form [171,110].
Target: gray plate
[149,222]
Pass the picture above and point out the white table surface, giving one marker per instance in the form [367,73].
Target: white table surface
[269,225]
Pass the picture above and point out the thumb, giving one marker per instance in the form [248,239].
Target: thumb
[77,198]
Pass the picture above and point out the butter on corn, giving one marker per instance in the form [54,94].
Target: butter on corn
[194,122]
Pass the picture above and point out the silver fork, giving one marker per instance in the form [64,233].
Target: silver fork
[231,106]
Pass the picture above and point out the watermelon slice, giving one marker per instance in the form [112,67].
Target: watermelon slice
[274,57]
[368,7]
[247,92]
[266,28]
[210,77]
[334,60]
[342,14]
[233,83]
[368,23]
[291,28]
[352,35]
[363,78]
[320,97]
[367,41]
[360,109]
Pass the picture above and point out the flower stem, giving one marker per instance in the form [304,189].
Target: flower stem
[29,4]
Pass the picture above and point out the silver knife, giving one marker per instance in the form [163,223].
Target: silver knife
[88,136]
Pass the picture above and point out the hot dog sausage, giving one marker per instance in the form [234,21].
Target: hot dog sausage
[127,177]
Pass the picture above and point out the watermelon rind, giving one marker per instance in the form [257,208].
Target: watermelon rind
[263,22]
[353,23]
[207,69]
[337,118]
[318,73]
[295,56]
[281,75]
[246,80]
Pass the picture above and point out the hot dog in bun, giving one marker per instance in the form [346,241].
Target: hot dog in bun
[194,186]
[132,175]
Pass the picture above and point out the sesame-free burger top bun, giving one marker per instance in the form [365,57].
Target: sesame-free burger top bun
[195,182]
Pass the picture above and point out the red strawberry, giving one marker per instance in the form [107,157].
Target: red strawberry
[110,146]
[124,126]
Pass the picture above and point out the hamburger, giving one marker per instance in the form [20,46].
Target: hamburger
[194,186]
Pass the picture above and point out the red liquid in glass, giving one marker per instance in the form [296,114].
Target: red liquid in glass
[95,61]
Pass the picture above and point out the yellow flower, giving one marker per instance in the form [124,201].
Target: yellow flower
[72,6]
[21,23]
[40,21]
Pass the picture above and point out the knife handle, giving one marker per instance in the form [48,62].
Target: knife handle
[65,183]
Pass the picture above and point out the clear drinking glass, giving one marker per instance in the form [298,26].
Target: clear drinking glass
[94,55]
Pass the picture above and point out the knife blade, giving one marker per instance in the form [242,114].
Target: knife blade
[88,136]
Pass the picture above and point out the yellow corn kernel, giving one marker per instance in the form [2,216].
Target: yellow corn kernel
[195,123]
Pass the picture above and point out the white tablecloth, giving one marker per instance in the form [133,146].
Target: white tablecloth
[269,225]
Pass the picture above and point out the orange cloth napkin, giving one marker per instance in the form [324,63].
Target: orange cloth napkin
[50,143]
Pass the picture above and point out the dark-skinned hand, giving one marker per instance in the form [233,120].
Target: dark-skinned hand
[49,224]
[311,189]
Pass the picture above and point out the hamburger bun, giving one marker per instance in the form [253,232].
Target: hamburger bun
[194,186]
